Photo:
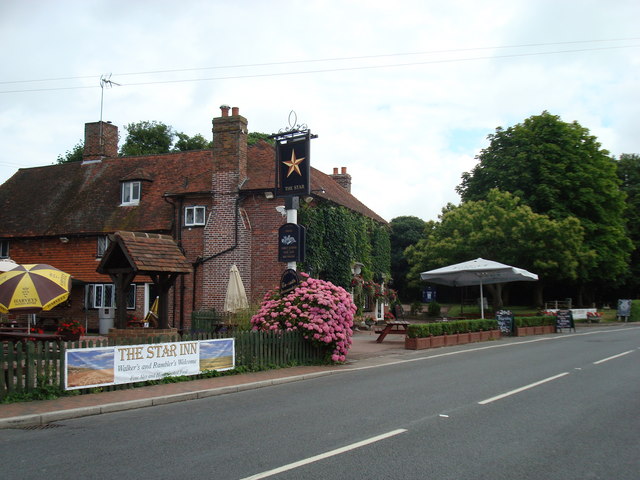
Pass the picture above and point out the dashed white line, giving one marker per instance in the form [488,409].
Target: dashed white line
[612,357]
[518,390]
[322,456]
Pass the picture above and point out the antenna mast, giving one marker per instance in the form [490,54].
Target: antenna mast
[104,80]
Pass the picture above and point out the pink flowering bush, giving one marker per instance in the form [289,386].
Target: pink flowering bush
[322,311]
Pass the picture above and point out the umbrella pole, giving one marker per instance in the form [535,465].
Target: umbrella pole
[481,301]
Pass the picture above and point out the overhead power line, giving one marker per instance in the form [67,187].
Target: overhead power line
[332,69]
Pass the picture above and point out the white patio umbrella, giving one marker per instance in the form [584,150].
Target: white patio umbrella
[236,298]
[7,264]
[477,272]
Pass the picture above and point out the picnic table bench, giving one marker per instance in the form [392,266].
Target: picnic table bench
[398,327]
[24,336]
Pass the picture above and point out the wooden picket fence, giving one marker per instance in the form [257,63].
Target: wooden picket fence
[28,366]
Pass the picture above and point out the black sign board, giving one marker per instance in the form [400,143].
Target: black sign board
[289,280]
[564,319]
[624,308]
[291,243]
[293,166]
[505,321]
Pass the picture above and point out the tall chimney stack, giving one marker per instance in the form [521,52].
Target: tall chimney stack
[100,141]
[343,178]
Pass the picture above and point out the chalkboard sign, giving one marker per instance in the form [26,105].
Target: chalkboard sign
[505,321]
[564,319]
[624,308]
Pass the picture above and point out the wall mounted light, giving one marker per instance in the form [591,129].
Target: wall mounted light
[268,195]
[64,239]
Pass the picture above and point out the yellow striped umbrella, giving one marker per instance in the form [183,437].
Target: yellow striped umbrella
[32,288]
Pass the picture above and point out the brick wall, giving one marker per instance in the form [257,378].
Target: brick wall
[265,222]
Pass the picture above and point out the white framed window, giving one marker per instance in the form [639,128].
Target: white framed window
[131,193]
[4,248]
[194,216]
[103,295]
[103,244]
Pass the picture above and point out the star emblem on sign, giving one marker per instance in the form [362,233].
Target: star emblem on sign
[293,164]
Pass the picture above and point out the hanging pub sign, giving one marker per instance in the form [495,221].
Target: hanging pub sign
[291,243]
[289,280]
[293,166]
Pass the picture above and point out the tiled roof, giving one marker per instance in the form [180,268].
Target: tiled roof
[84,199]
[74,198]
[145,253]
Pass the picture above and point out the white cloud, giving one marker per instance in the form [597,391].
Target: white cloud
[405,133]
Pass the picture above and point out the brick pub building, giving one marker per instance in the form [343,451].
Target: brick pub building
[216,204]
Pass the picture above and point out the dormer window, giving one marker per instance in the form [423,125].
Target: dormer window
[194,216]
[103,243]
[131,193]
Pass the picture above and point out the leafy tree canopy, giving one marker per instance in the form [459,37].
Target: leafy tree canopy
[73,155]
[629,175]
[559,170]
[405,231]
[501,228]
[147,138]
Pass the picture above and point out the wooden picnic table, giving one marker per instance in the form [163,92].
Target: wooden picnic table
[398,327]
[24,336]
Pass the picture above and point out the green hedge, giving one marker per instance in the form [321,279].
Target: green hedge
[423,330]
[635,311]
[536,321]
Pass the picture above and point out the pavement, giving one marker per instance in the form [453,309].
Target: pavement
[365,352]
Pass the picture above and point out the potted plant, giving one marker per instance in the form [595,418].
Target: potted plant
[70,330]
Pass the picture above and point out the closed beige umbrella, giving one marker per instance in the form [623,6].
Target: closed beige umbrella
[236,298]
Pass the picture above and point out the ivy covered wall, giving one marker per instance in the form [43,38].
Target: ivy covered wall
[337,237]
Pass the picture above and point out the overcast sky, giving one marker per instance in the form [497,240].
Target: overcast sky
[401,93]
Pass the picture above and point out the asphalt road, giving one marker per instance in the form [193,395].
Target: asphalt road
[552,407]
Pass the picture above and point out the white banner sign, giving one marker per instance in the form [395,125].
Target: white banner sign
[96,367]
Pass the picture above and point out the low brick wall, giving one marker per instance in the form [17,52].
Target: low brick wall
[142,332]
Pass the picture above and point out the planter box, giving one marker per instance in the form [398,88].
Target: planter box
[539,330]
[524,331]
[417,343]
[450,340]
[495,334]
[549,329]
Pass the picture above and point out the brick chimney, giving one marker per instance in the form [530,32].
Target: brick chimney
[230,142]
[100,141]
[343,178]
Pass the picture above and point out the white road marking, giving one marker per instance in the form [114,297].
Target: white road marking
[611,358]
[322,456]
[518,390]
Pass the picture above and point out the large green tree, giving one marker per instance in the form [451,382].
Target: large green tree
[559,169]
[147,138]
[502,229]
[629,174]
[405,231]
